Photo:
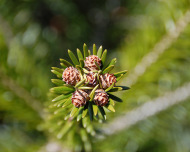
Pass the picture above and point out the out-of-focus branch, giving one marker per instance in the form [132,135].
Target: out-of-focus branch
[148,109]
[10,83]
[7,33]
[158,49]
[22,93]
[53,146]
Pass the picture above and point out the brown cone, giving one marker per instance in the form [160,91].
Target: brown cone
[107,80]
[71,75]
[91,79]
[90,62]
[79,98]
[101,97]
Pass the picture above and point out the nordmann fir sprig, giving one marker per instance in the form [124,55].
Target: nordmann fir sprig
[84,87]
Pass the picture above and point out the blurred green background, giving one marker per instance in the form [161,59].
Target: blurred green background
[34,34]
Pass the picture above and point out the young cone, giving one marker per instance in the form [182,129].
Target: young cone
[90,62]
[71,75]
[91,79]
[101,97]
[79,98]
[107,80]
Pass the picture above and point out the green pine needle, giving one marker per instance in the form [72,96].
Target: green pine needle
[108,69]
[85,50]
[73,58]
[94,49]
[66,63]
[102,112]
[62,90]
[80,56]
[99,54]
[61,97]
[103,58]
[118,74]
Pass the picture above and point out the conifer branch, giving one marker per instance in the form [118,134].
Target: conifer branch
[19,91]
[141,113]
[6,30]
[135,116]
[10,83]
[157,50]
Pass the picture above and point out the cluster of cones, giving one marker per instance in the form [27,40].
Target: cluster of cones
[93,78]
